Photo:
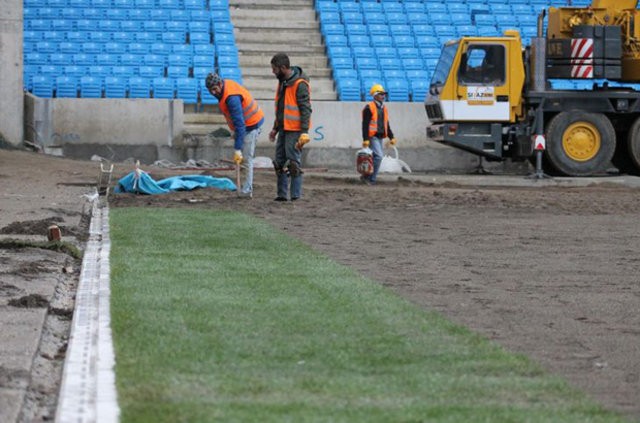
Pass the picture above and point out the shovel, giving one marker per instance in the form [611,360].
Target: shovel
[238,179]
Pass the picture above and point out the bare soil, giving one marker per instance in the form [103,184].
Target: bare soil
[551,273]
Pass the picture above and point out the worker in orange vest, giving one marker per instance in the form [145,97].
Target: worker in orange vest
[291,125]
[375,128]
[244,117]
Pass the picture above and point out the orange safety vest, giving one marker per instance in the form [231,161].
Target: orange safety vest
[250,109]
[291,110]
[373,123]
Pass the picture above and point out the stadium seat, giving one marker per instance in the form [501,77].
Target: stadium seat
[75,70]
[90,87]
[150,71]
[342,63]
[408,52]
[99,70]
[66,86]
[398,89]
[348,89]
[163,87]
[139,87]
[203,60]
[227,61]
[42,86]
[177,71]
[199,38]
[193,4]
[231,73]
[187,90]
[419,90]
[115,87]
[60,58]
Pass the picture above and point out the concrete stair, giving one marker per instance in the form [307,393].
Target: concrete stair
[266,27]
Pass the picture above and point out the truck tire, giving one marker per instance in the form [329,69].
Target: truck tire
[580,143]
[633,145]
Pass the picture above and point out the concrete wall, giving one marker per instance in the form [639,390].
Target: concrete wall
[116,129]
[150,130]
[11,92]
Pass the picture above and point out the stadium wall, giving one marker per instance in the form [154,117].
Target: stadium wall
[152,129]
[11,92]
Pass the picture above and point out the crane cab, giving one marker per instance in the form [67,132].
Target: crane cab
[476,88]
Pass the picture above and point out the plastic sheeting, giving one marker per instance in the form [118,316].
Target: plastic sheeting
[139,182]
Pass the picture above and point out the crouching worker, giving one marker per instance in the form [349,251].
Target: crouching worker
[245,119]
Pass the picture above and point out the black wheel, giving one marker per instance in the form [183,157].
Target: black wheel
[633,145]
[580,143]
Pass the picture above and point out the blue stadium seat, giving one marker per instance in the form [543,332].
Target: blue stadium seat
[402,29]
[150,71]
[90,87]
[66,86]
[182,49]
[197,38]
[370,7]
[131,26]
[396,18]
[411,8]
[372,18]
[46,47]
[398,89]
[422,29]
[163,87]
[386,52]
[355,29]
[330,17]
[124,71]
[346,6]
[228,61]
[201,72]
[152,59]
[99,70]
[386,63]
[219,4]
[222,28]
[199,16]
[177,71]
[178,59]
[63,25]
[366,63]
[139,48]
[42,86]
[223,38]
[381,41]
[404,41]
[52,70]
[117,14]
[173,38]
[335,40]
[332,29]
[187,90]
[345,74]
[139,14]
[220,16]
[115,87]
[83,59]
[139,87]
[75,70]
[115,47]
[419,90]
[169,4]
[338,51]
[378,29]
[392,7]
[203,60]
[60,58]
[143,4]
[39,25]
[349,18]
[193,4]
[412,64]
[209,49]
[409,52]
[342,63]
[348,89]
[361,51]
[231,73]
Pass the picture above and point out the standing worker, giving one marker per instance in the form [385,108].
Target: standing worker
[375,128]
[244,117]
[291,125]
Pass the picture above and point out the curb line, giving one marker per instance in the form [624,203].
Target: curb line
[88,391]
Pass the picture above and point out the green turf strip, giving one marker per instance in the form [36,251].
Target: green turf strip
[218,317]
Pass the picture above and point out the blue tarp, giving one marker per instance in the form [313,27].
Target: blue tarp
[145,184]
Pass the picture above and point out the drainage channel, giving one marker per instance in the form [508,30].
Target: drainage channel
[88,390]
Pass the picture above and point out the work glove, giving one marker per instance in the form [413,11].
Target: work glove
[302,140]
[365,144]
[272,135]
[391,142]
[237,157]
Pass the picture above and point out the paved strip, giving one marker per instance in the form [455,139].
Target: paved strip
[88,392]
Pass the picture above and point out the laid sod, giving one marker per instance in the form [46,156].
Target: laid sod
[217,317]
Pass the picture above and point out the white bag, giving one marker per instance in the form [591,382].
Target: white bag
[393,164]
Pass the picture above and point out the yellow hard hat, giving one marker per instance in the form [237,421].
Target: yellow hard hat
[377,89]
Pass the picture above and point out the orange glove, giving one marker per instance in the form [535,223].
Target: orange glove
[302,140]
[365,144]
[237,157]
[391,142]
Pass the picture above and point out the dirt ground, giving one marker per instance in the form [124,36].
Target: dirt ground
[551,273]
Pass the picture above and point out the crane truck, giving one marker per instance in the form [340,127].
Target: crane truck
[494,97]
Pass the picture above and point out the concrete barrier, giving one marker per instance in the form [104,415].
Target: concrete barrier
[152,129]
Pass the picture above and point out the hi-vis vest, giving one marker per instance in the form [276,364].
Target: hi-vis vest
[373,123]
[252,113]
[291,110]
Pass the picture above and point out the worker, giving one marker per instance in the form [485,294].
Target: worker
[291,126]
[245,119]
[375,128]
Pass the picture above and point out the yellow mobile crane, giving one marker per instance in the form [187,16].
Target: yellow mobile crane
[492,96]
